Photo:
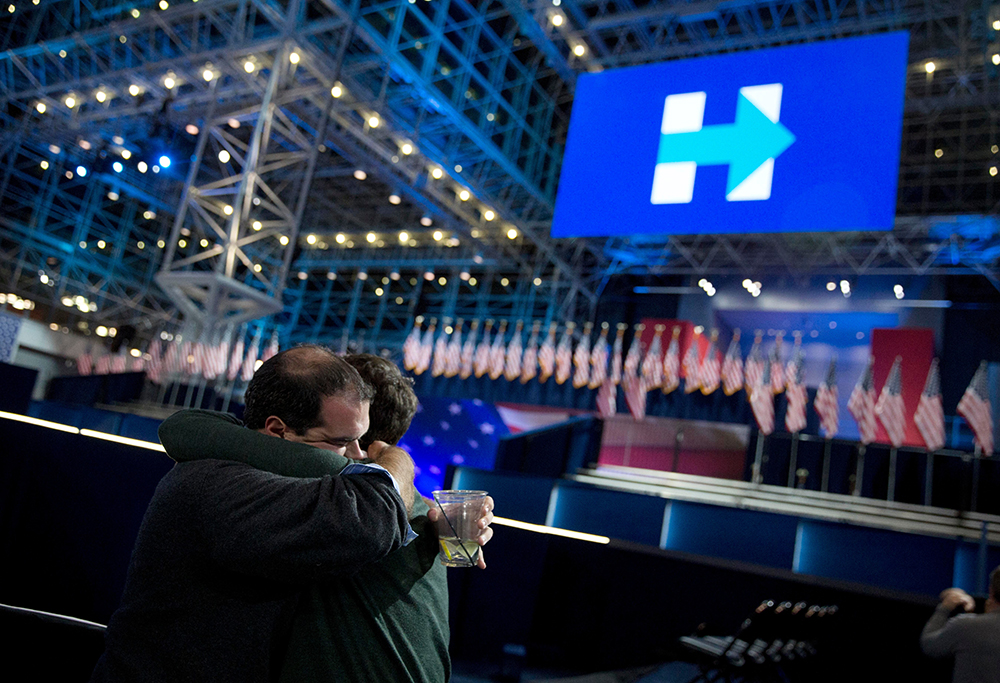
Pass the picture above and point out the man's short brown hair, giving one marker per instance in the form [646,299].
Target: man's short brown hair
[293,384]
[395,403]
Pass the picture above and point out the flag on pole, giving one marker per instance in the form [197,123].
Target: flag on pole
[616,355]
[512,365]
[481,362]
[103,365]
[762,402]
[754,367]
[154,370]
[426,349]
[652,364]
[453,356]
[498,352]
[796,348]
[599,359]
[732,367]
[469,351]
[607,398]
[272,349]
[250,362]
[795,392]
[861,404]
[172,358]
[440,358]
[206,360]
[929,416]
[529,362]
[236,358]
[119,361]
[411,347]
[691,380]
[635,394]
[85,363]
[672,363]
[889,407]
[564,354]
[547,355]
[581,358]
[710,370]
[975,408]
[777,366]
[826,401]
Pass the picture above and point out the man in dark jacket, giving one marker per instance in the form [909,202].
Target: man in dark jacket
[225,549]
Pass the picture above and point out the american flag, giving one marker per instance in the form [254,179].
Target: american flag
[155,368]
[426,349]
[564,354]
[599,359]
[754,367]
[222,355]
[691,380]
[826,404]
[250,362]
[498,352]
[709,372]
[861,404]
[529,362]
[777,366]
[411,347]
[889,407]
[206,360]
[119,363]
[453,357]
[929,416]
[796,349]
[652,364]
[172,358]
[975,408]
[732,367]
[138,364]
[440,357]
[635,394]
[607,398]
[762,402]
[581,359]
[85,363]
[103,365]
[795,392]
[672,363]
[469,352]
[191,357]
[272,349]
[512,365]
[616,356]
[547,355]
[481,362]
[236,358]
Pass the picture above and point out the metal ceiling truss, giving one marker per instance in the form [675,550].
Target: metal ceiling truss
[476,93]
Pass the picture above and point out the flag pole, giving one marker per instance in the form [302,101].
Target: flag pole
[976,457]
[757,475]
[793,460]
[825,482]
[859,470]
[928,477]
[891,495]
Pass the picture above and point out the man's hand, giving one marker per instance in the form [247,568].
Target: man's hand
[956,597]
[400,465]
[485,519]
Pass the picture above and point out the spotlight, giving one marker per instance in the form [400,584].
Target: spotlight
[118,167]
[164,161]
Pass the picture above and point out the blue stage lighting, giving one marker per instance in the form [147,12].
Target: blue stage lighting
[118,167]
[164,161]
[81,171]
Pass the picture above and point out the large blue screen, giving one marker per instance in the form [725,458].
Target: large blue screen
[792,139]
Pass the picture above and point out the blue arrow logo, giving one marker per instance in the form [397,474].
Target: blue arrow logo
[745,145]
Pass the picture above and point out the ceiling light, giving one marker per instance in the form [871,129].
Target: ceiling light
[371,237]
[100,96]
[311,239]
[360,175]
[373,121]
[407,148]
[249,66]
[207,74]
[464,195]
[294,57]
[437,235]
[580,50]
[557,19]
[70,101]
[40,107]
[437,173]
[929,67]
[341,238]
[257,225]
[169,82]
[133,90]
[336,91]
[512,234]
[283,240]
[394,199]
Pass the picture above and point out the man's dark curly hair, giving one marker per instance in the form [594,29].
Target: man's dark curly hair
[293,384]
[394,404]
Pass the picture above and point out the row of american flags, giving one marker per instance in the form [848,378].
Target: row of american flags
[176,358]
[603,365]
